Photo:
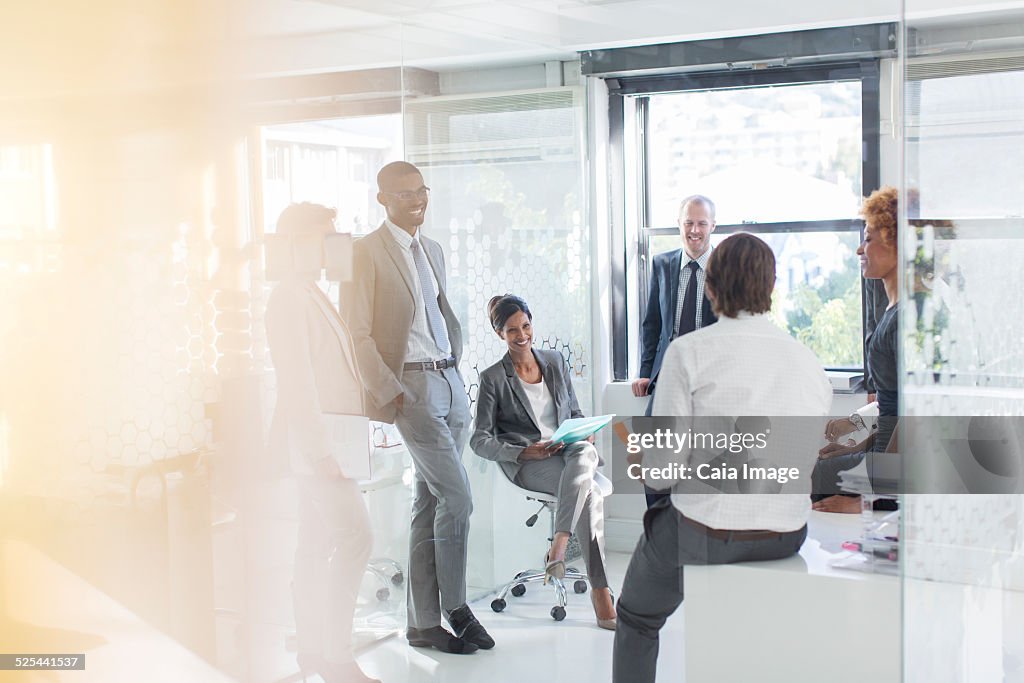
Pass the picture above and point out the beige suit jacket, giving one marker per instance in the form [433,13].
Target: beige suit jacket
[315,377]
[379,304]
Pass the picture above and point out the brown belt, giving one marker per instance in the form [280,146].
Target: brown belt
[733,534]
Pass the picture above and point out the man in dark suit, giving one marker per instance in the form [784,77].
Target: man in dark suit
[676,303]
[408,344]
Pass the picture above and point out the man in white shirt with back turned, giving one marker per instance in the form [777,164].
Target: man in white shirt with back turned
[742,366]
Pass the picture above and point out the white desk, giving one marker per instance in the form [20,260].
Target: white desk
[797,619]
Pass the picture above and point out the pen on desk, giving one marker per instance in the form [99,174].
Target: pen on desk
[876,552]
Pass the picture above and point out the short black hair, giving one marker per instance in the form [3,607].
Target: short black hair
[501,308]
[304,218]
[391,172]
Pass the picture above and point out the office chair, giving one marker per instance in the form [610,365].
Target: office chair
[387,571]
[580,581]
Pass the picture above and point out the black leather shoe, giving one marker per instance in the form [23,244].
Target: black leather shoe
[437,637]
[466,626]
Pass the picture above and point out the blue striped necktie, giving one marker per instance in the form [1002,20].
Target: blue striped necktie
[437,328]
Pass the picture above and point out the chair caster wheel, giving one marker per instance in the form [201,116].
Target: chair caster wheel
[397,579]
[580,586]
[558,613]
[498,604]
[519,590]
[383,594]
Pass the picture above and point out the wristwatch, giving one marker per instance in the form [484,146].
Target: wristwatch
[857,421]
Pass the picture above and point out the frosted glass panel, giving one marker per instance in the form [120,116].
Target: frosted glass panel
[506,178]
[965,139]
[962,327]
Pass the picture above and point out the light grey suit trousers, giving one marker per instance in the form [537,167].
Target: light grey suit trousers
[379,305]
[570,476]
[434,422]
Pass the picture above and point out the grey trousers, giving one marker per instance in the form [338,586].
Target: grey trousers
[334,543]
[570,476]
[434,423]
[653,587]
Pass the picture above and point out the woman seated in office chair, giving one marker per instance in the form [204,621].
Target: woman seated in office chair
[878,260]
[523,399]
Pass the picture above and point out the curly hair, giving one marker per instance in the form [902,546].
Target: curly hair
[880,210]
[741,275]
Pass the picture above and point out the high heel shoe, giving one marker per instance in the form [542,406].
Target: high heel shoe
[553,569]
[608,624]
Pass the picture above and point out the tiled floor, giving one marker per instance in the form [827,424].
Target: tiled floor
[530,645]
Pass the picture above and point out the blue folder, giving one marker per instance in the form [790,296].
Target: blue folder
[578,428]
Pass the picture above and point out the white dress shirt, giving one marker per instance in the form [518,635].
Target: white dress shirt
[421,342]
[542,406]
[741,366]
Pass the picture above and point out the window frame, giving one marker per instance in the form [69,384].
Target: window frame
[628,119]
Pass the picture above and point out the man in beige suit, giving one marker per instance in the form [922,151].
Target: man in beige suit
[408,344]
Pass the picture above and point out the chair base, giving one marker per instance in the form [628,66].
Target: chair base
[388,574]
[517,587]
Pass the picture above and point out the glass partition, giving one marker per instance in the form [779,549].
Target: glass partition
[143,500]
[963,594]
[507,204]
[139,470]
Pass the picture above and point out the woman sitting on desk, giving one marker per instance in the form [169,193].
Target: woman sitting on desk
[879,260]
[523,399]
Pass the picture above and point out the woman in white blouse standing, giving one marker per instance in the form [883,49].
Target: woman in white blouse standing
[523,399]
[316,377]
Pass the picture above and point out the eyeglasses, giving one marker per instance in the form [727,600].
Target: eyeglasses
[409,195]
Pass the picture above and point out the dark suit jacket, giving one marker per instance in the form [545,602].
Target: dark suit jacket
[656,333]
[504,420]
[378,305]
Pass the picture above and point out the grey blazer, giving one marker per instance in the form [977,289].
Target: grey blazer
[505,423]
[378,305]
